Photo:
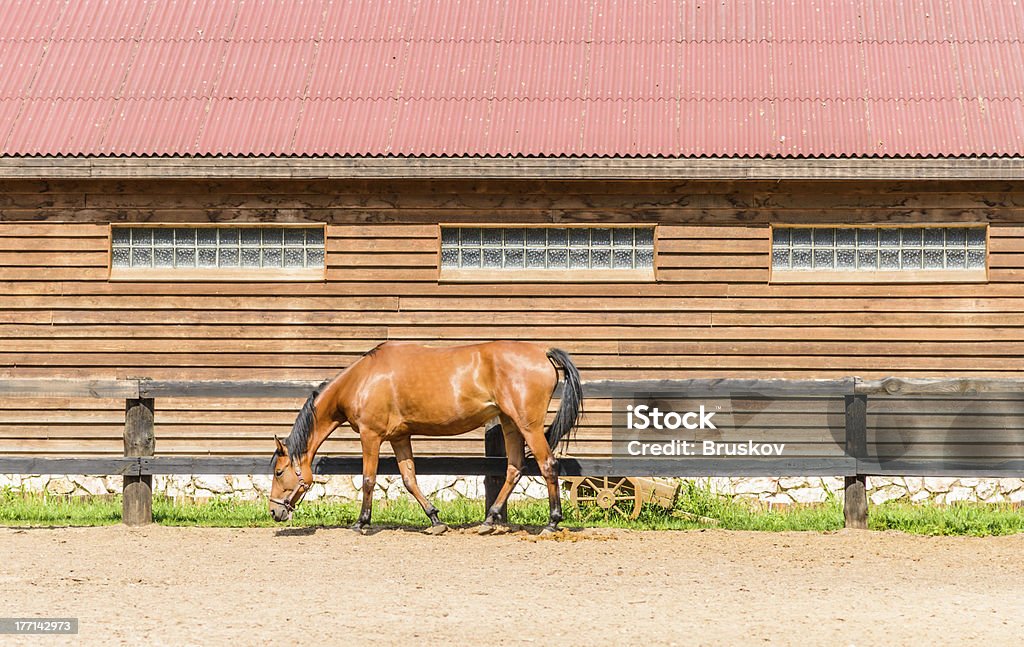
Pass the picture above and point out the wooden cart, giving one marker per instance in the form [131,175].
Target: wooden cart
[622,495]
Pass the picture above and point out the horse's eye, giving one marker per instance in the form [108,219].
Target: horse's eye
[278,473]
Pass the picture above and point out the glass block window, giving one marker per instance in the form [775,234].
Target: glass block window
[878,249]
[547,248]
[254,248]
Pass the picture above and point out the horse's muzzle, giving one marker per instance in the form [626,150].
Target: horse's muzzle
[279,512]
[282,509]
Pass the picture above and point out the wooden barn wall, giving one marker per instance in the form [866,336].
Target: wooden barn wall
[711,312]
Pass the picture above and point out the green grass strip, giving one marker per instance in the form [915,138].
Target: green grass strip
[695,506]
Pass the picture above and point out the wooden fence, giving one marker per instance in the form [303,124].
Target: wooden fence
[981,436]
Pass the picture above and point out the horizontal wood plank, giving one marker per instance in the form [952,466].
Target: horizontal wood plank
[21,388]
[497,466]
[912,386]
[1010,468]
[107,466]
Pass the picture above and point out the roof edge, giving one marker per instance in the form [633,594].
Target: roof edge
[532,168]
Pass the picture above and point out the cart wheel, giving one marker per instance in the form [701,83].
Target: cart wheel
[620,496]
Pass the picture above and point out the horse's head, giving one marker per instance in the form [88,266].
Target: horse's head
[292,479]
[293,463]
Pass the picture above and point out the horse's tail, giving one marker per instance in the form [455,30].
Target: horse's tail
[571,406]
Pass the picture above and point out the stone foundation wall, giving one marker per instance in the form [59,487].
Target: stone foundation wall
[790,490]
[338,487]
[783,491]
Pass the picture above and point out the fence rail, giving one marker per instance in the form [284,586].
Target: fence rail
[139,464]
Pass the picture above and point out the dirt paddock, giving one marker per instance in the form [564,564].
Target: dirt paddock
[328,586]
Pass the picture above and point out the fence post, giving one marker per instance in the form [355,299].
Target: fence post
[494,446]
[139,441]
[855,504]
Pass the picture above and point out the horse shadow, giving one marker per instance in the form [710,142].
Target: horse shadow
[309,531]
[303,531]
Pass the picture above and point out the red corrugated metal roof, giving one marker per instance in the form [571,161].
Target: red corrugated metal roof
[193,20]
[803,78]
[19,61]
[109,20]
[82,69]
[30,19]
[150,127]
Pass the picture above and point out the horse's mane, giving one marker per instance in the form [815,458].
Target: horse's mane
[298,440]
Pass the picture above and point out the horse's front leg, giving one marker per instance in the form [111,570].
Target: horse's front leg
[403,454]
[371,453]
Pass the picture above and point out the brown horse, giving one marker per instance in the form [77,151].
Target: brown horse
[400,389]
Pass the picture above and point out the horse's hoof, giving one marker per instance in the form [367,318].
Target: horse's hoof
[362,529]
[549,530]
[485,529]
[438,529]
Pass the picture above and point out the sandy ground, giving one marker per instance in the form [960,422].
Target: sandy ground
[331,586]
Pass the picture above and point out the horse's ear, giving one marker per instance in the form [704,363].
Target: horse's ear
[281,449]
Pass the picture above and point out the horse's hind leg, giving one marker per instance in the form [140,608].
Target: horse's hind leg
[403,454]
[516,457]
[548,465]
